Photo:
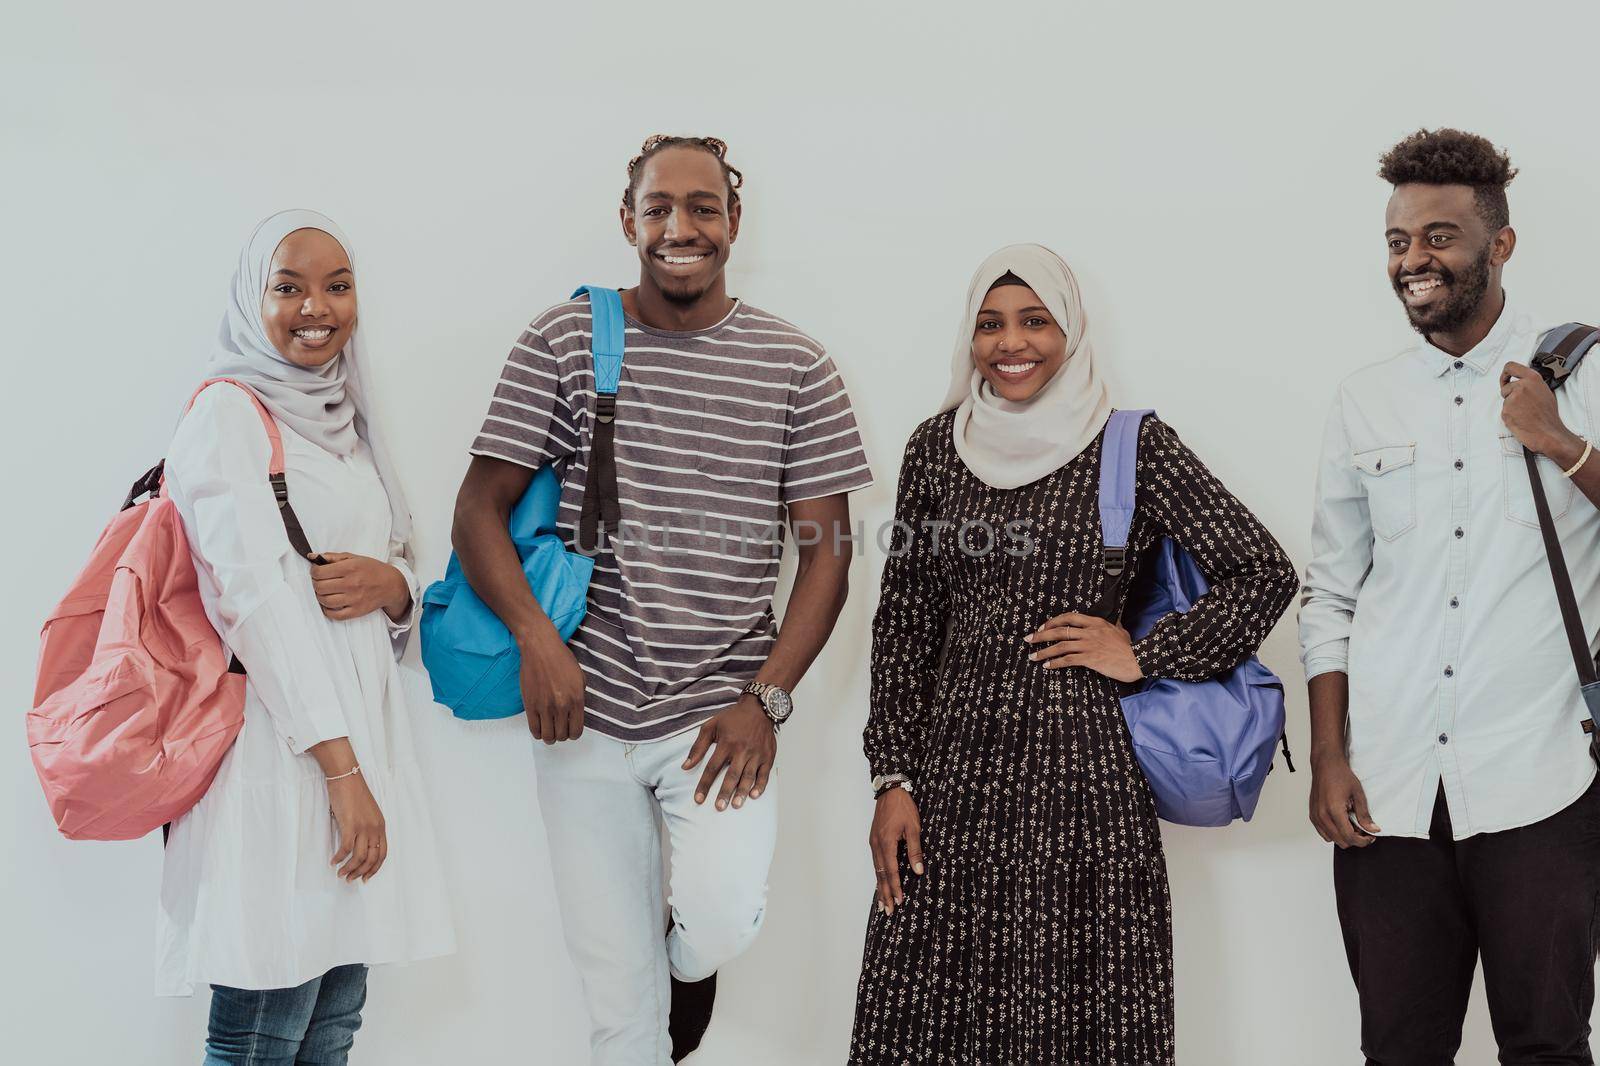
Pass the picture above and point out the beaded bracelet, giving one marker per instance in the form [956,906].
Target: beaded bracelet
[1588,448]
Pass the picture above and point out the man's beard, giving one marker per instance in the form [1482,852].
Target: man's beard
[683,296]
[1466,293]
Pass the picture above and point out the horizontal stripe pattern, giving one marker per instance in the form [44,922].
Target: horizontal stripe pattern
[717,432]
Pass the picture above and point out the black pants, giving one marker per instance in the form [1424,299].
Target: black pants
[1417,914]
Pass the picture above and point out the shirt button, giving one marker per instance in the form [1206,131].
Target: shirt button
[1459,401]
[1455,601]
[1459,464]
[1460,532]
[1444,738]
[1458,364]
[1449,671]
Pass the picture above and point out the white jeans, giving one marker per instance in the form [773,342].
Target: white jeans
[600,799]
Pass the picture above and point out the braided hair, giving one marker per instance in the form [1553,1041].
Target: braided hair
[660,142]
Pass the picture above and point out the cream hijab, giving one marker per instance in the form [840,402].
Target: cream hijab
[328,405]
[1006,444]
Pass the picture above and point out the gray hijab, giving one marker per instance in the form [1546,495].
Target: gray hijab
[328,405]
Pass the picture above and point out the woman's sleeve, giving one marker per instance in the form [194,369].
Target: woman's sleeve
[400,631]
[908,628]
[217,476]
[1252,580]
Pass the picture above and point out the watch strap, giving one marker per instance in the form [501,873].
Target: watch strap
[760,690]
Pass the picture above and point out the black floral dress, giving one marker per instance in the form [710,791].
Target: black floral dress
[1041,932]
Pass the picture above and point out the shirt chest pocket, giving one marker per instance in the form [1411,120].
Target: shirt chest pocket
[1519,490]
[1389,475]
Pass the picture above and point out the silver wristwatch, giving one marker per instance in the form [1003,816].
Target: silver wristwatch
[778,704]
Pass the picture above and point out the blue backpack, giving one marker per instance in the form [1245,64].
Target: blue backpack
[471,658]
[1206,747]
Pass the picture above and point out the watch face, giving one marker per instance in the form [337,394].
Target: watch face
[779,703]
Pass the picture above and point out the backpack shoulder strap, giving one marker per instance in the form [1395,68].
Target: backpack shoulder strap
[270,424]
[1559,352]
[601,505]
[608,331]
[1119,464]
[275,468]
[1561,349]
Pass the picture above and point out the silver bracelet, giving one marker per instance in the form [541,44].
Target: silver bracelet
[352,772]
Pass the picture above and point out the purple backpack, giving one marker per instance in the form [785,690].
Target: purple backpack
[1206,747]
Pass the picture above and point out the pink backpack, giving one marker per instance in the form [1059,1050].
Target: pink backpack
[136,702]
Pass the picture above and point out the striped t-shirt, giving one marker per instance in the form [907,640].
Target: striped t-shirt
[716,432]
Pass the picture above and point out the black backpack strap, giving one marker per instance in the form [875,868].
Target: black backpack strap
[149,484]
[291,521]
[297,540]
[602,508]
[1559,353]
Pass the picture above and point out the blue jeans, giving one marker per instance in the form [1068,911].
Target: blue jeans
[314,1023]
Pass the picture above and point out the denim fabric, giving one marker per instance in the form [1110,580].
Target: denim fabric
[313,1024]
[1428,587]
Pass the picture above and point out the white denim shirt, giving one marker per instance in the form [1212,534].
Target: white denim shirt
[1428,586]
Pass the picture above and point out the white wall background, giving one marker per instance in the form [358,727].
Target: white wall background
[1208,168]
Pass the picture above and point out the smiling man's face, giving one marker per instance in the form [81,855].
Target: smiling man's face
[682,222]
[1443,260]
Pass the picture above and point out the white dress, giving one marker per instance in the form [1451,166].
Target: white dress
[249,897]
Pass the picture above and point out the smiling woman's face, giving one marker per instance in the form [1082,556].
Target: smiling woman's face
[309,308]
[1016,343]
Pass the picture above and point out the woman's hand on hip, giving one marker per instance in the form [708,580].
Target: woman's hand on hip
[1075,639]
[363,837]
[353,586]
[895,820]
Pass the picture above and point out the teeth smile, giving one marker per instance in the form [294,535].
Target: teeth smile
[321,333]
[682,260]
[1418,288]
[1015,368]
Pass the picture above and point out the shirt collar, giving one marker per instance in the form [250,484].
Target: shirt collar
[1488,355]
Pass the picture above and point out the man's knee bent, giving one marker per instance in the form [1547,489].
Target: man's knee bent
[710,934]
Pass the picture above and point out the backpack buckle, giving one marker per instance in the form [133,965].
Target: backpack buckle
[605,406]
[1116,560]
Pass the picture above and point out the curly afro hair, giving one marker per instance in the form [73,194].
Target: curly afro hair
[1453,157]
